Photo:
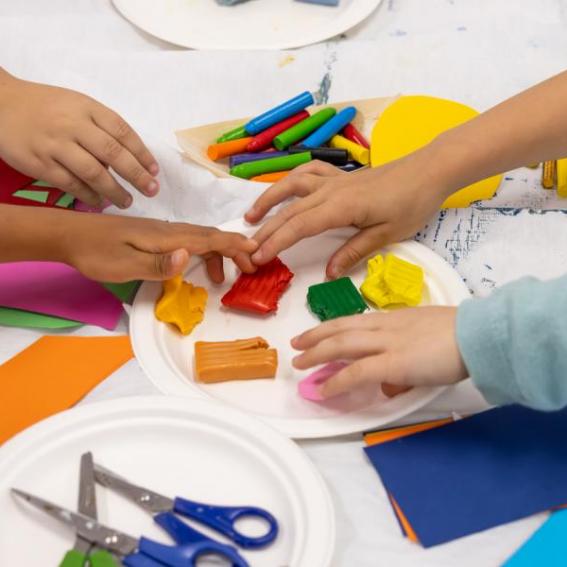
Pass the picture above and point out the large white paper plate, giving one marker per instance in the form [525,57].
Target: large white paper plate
[179,447]
[167,357]
[258,24]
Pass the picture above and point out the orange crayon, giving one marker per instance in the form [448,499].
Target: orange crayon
[271,177]
[219,151]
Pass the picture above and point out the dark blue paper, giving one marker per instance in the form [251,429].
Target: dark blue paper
[483,471]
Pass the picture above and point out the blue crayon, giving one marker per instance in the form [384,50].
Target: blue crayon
[333,126]
[279,113]
[244,158]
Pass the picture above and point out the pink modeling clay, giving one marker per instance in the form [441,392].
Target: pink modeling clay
[309,387]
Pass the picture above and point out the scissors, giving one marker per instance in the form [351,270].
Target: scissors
[83,551]
[102,546]
[165,510]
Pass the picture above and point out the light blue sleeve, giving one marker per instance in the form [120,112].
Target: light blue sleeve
[514,343]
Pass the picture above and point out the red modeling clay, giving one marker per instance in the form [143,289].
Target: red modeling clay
[261,291]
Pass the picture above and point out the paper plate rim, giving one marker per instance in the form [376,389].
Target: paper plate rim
[156,368]
[124,8]
[298,466]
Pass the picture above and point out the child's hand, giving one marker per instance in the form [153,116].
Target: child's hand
[387,204]
[409,347]
[70,140]
[117,249]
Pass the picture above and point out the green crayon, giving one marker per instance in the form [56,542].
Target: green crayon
[303,129]
[235,134]
[284,163]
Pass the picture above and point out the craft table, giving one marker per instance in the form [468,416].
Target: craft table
[476,52]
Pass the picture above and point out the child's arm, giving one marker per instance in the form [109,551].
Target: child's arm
[70,140]
[115,248]
[512,344]
[393,202]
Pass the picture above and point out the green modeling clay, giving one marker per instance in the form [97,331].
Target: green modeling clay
[334,299]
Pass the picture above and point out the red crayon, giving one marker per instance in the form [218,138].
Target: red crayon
[351,132]
[264,139]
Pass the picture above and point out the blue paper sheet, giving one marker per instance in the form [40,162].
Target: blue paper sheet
[548,545]
[483,471]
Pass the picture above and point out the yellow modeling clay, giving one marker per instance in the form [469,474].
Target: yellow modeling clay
[561,173]
[393,281]
[181,304]
[410,123]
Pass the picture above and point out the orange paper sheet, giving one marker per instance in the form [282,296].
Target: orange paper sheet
[377,437]
[53,374]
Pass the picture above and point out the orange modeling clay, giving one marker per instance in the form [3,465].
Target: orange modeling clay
[181,304]
[244,359]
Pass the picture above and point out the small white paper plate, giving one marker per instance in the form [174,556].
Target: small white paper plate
[167,357]
[179,447]
[257,24]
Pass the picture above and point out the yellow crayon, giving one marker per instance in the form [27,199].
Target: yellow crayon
[548,174]
[561,172]
[356,151]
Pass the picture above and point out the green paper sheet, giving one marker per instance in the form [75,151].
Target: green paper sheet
[42,184]
[18,318]
[38,196]
[65,201]
[123,291]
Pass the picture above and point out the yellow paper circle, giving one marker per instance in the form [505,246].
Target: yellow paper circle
[410,123]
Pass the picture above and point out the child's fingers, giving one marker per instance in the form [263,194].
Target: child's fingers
[294,185]
[114,125]
[215,268]
[244,262]
[355,249]
[343,346]
[290,230]
[373,369]
[363,322]
[392,390]
[110,151]
[154,267]
[62,178]
[229,243]
[88,169]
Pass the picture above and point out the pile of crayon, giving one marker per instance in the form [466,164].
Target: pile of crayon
[269,146]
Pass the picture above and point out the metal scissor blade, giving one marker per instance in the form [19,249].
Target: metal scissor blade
[87,484]
[87,499]
[150,501]
[89,529]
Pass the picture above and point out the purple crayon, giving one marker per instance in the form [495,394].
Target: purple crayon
[244,158]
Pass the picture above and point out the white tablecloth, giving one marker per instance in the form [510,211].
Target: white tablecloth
[476,52]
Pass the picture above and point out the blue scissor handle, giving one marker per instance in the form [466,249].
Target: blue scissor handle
[223,520]
[184,534]
[140,560]
[186,555]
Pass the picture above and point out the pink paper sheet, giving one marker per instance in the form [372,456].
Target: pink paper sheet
[59,290]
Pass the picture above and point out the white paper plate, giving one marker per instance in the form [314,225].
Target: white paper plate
[258,24]
[178,447]
[167,357]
